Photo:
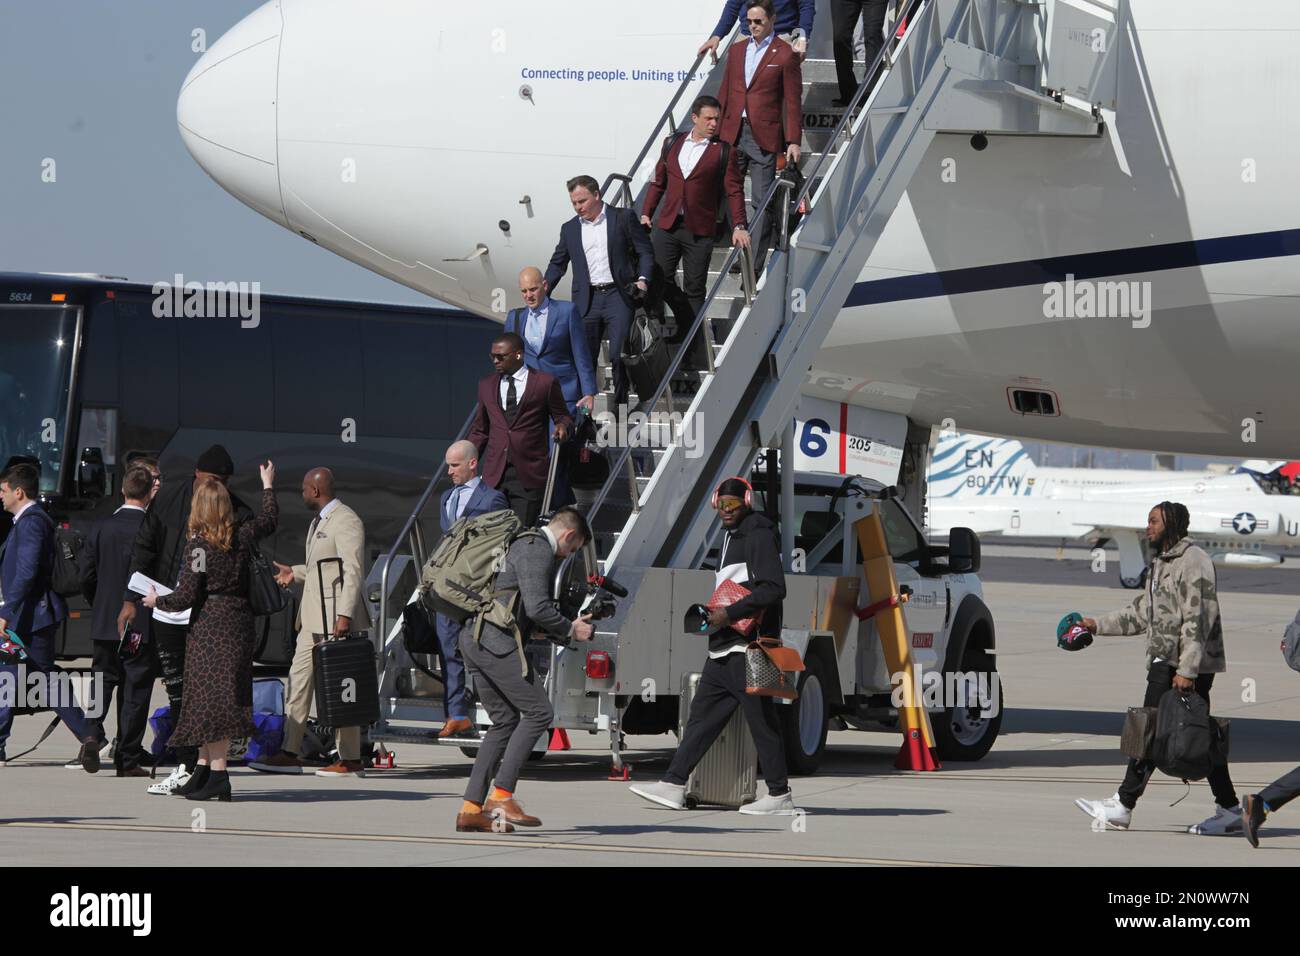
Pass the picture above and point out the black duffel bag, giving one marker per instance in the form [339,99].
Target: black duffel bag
[1188,743]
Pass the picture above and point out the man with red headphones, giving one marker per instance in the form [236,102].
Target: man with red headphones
[751,557]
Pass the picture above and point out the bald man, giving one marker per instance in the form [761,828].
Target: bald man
[335,532]
[468,497]
[555,342]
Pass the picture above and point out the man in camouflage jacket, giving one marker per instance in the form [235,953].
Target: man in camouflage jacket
[1178,614]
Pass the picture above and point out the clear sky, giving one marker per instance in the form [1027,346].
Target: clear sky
[93,86]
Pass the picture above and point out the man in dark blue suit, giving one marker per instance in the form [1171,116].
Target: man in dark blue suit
[468,496]
[555,342]
[30,608]
[611,255]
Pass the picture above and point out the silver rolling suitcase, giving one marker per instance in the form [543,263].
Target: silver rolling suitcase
[728,774]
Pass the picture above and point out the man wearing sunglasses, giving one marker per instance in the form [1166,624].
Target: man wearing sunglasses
[793,23]
[751,557]
[510,426]
[761,97]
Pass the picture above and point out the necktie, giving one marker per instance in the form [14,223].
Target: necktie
[512,399]
[311,533]
[453,503]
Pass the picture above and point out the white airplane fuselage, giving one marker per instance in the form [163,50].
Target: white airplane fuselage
[400,135]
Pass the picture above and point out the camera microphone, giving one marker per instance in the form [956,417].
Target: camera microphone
[609,584]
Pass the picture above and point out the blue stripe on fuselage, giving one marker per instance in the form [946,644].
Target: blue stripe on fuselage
[1089,265]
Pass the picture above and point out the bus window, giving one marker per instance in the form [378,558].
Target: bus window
[317,384]
[35,376]
[225,375]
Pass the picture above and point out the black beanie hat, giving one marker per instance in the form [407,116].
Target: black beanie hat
[216,461]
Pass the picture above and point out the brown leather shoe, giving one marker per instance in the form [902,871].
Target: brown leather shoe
[513,812]
[481,823]
[89,754]
[456,728]
[279,762]
[132,772]
[344,768]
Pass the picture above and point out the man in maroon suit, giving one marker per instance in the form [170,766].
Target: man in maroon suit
[761,98]
[693,174]
[509,429]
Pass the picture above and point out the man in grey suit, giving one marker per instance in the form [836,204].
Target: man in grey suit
[503,677]
[468,496]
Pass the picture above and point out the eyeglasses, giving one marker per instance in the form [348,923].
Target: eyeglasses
[499,358]
[728,505]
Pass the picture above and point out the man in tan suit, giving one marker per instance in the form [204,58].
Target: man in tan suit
[335,532]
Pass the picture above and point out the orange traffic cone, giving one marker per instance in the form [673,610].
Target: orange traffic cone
[559,739]
[915,755]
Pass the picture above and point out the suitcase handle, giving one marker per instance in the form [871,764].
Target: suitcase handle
[320,581]
[550,479]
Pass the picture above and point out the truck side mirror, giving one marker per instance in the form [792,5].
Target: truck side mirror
[92,476]
[963,551]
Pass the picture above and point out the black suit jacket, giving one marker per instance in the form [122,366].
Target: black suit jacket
[630,256]
[106,569]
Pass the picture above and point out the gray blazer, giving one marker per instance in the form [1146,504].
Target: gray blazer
[529,566]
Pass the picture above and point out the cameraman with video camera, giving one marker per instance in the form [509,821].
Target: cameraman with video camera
[505,681]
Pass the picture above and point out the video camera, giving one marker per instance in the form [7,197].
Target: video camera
[595,596]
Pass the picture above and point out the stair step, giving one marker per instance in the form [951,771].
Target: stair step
[420,735]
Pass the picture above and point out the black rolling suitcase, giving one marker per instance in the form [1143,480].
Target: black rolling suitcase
[645,356]
[346,681]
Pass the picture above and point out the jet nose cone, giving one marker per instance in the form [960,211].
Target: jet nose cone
[226,111]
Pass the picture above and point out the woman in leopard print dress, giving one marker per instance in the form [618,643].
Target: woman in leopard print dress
[218,695]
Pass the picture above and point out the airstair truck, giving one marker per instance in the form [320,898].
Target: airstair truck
[972,67]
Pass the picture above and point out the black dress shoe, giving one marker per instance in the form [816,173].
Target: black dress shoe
[1252,818]
[89,754]
[217,786]
[197,779]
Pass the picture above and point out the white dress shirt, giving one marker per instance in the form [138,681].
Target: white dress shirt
[521,382]
[688,157]
[595,245]
[753,53]
[535,326]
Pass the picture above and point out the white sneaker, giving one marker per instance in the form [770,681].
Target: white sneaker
[1108,814]
[665,794]
[167,787]
[770,806]
[1223,822]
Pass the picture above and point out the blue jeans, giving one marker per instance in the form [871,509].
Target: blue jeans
[40,657]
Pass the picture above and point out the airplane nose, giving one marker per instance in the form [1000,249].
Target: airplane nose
[226,111]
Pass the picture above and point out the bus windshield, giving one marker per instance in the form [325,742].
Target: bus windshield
[36,344]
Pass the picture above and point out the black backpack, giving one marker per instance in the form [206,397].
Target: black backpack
[1188,742]
[65,578]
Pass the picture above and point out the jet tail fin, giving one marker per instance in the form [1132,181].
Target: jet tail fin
[966,465]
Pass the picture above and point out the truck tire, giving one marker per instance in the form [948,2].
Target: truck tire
[961,733]
[1133,583]
[805,721]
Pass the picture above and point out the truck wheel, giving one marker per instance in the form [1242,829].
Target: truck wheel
[804,722]
[962,733]
[1133,583]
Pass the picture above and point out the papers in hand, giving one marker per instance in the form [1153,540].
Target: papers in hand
[141,583]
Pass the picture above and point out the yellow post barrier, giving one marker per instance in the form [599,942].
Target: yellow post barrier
[885,606]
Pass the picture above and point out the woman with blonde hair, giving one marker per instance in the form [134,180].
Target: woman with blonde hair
[218,695]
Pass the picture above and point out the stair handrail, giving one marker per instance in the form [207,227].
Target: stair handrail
[665,117]
[780,184]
